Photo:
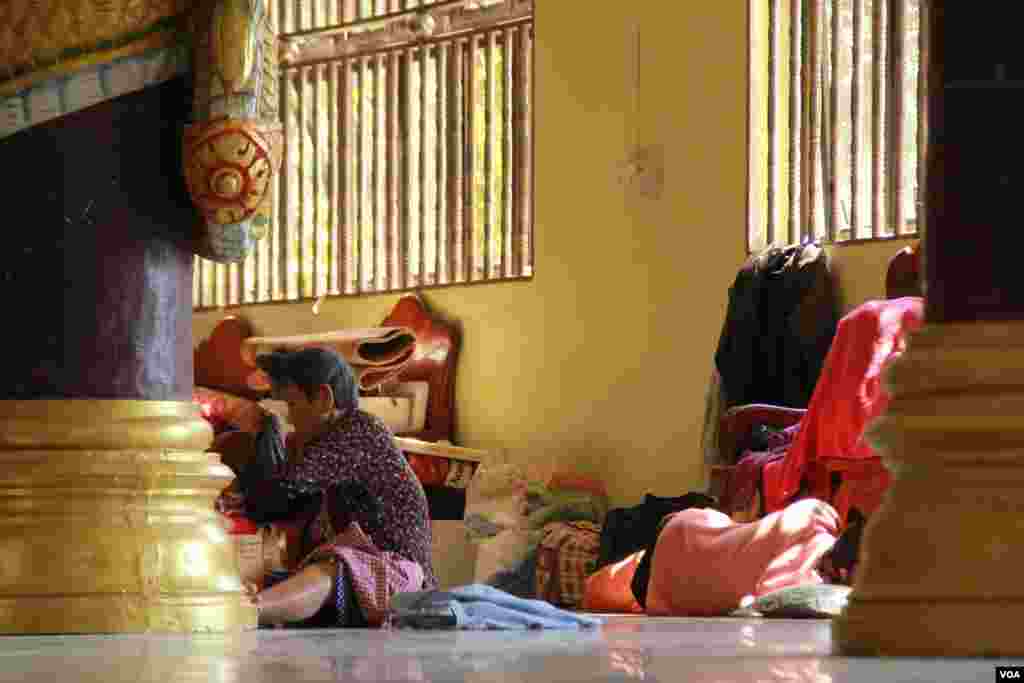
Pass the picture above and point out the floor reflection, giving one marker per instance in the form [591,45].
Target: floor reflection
[631,661]
[627,649]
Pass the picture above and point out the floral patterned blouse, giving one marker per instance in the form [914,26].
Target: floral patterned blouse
[366,479]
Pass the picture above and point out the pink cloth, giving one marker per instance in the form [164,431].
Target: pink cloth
[848,395]
[376,575]
[705,564]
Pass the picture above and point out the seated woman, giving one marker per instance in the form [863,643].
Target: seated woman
[363,527]
[704,564]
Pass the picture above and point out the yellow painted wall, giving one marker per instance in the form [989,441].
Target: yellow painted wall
[601,362]
[860,269]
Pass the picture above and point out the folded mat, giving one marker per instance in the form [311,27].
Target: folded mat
[480,607]
[376,354]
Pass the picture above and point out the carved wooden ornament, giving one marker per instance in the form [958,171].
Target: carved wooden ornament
[228,168]
[232,152]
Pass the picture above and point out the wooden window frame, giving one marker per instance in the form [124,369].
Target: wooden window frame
[836,135]
[378,191]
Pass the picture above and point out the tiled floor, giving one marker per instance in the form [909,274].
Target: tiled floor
[625,648]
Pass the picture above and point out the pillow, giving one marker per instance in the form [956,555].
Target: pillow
[610,588]
[813,601]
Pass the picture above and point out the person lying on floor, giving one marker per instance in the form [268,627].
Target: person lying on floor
[359,517]
[705,564]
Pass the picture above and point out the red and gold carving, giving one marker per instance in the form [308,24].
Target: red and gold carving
[229,165]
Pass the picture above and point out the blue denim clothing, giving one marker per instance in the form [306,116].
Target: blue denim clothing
[481,607]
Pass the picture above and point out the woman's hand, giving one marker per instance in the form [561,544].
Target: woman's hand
[252,593]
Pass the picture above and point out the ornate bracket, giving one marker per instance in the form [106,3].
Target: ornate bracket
[232,152]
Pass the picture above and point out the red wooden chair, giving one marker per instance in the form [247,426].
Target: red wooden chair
[844,482]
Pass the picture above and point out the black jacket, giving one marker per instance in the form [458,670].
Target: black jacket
[779,326]
[627,530]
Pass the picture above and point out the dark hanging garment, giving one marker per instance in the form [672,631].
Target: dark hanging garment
[780,322]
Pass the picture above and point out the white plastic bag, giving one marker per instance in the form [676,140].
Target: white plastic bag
[496,500]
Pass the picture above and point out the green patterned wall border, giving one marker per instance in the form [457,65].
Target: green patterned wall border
[90,85]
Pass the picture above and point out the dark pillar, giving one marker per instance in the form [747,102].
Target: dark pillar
[96,285]
[939,566]
[97,279]
[975,192]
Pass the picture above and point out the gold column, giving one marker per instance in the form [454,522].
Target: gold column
[941,559]
[107,521]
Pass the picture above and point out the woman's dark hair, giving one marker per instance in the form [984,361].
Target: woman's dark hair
[308,368]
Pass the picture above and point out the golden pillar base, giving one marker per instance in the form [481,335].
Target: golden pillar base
[941,559]
[107,522]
